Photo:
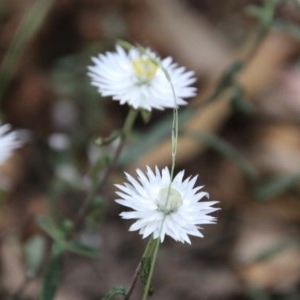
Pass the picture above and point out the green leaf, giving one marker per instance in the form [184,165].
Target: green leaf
[95,212]
[52,275]
[289,27]
[52,229]
[30,24]
[33,253]
[276,249]
[227,80]
[125,44]
[59,235]
[226,150]
[145,271]
[239,103]
[101,141]
[265,12]
[81,249]
[262,14]
[277,187]
[101,162]
[146,115]
[117,290]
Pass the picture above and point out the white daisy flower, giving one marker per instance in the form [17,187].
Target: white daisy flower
[178,216]
[8,142]
[138,77]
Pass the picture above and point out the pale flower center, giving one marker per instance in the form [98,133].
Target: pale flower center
[168,200]
[145,68]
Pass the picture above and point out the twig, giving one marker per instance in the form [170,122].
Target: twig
[98,188]
[133,282]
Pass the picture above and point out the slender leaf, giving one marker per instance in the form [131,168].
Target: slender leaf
[226,150]
[146,115]
[33,253]
[51,228]
[277,187]
[239,103]
[145,272]
[289,27]
[81,249]
[117,290]
[101,141]
[52,275]
[30,24]
[276,249]
[227,80]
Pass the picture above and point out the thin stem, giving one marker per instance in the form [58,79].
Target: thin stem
[147,253]
[28,27]
[133,282]
[174,138]
[174,146]
[131,117]
[153,261]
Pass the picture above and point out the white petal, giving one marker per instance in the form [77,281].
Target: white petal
[150,220]
[113,75]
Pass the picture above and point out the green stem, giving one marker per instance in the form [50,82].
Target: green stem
[127,127]
[153,261]
[147,253]
[131,117]
[174,142]
[174,147]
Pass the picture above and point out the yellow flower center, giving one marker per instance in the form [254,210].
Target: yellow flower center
[169,200]
[145,68]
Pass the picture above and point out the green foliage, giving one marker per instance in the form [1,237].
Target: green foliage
[95,213]
[225,150]
[33,253]
[82,250]
[264,13]
[60,235]
[52,275]
[238,101]
[101,141]
[289,27]
[115,291]
[52,229]
[124,44]
[278,248]
[277,187]
[144,273]
[28,27]
[229,84]
[227,80]
[146,115]
[145,269]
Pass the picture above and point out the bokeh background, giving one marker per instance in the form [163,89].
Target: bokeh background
[241,135]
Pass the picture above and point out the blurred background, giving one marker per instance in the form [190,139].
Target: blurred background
[241,134]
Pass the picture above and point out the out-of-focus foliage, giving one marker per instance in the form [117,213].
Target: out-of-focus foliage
[241,134]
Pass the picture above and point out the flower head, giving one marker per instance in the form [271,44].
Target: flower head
[8,142]
[141,79]
[162,209]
